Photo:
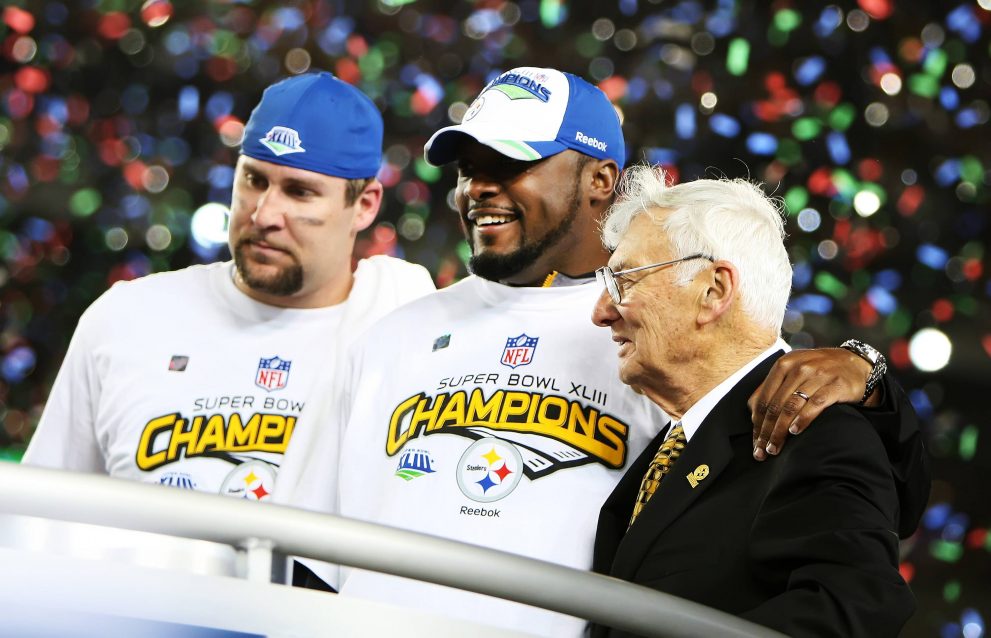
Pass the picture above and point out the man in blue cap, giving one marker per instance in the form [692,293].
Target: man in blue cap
[492,411]
[199,378]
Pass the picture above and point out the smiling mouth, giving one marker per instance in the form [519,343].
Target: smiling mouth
[484,219]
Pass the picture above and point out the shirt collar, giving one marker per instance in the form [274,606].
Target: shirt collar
[696,414]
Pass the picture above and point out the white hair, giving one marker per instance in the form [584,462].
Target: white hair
[729,219]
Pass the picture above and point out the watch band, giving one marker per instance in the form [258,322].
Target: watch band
[869,354]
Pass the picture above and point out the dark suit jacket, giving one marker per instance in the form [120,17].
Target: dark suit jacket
[805,543]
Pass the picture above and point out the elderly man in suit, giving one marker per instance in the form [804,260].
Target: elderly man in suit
[806,544]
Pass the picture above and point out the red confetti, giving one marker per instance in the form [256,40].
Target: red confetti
[347,69]
[221,68]
[986,342]
[614,87]
[156,14]
[31,79]
[864,314]
[114,25]
[134,173]
[828,93]
[869,169]
[45,169]
[877,9]
[910,200]
[421,103]
[973,269]
[357,47]
[976,538]
[19,103]
[907,571]
[942,310]
[898,353]
[18,19]
[701,82]
[821,183]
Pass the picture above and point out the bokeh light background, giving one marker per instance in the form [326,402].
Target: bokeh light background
[120,121]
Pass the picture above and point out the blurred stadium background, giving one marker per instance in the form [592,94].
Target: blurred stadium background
[120,122]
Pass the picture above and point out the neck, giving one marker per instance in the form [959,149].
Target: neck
[683,383]
[326,296]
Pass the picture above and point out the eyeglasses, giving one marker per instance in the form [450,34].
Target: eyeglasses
[607,277]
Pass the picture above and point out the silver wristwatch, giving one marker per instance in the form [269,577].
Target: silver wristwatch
[878,365]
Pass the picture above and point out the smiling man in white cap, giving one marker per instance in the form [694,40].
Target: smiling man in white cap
[491,412]
[200,377]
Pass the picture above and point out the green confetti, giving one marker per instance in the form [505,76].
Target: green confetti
[898,323]
[776,37]
[464,251]
[85,202]
[787,19]
[425,171]
[789,152]
[552,13]
[968,442]
[737,56]
[372,64]
[796,199]
[829,284]
[587,45]
[842,117]
[845,183]
[946,551]
[951,591]
[935,63]
[225,43]
[966,305]
[806,128]
[971,169]
[924,85]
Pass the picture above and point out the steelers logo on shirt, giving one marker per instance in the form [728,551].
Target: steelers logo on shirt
[489,470]
[253,480]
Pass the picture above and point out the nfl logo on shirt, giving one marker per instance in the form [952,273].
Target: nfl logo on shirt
[519,351]
[273,374]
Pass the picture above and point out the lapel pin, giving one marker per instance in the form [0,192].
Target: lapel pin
[694,478]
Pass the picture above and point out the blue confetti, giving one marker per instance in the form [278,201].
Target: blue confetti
[762,144]
[724,125]
[811,303]
[882,300]
[684,121]
[932,256]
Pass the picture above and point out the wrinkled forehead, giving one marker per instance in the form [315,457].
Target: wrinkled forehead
[645,241]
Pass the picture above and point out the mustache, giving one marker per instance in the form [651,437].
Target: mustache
[256,238]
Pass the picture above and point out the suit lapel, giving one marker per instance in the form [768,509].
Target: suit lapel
[616,511]
[709,446]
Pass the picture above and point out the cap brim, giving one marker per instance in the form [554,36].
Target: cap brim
[442,147]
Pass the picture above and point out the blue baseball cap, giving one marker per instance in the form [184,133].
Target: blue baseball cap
[318,123]
[530,113]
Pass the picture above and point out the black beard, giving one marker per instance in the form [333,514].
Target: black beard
[502,267]
[287,282]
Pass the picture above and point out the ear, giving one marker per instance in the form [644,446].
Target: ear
[366,207]
[720,285]
[604,177]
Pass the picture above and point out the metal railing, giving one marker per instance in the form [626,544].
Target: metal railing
[99,500]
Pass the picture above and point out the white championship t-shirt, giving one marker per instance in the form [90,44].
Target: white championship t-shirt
[492,415]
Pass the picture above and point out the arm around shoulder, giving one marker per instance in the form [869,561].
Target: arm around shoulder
[825,536]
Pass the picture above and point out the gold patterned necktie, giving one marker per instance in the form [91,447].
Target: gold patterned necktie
[666,455]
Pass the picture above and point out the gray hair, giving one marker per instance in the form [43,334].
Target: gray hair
[729,219]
